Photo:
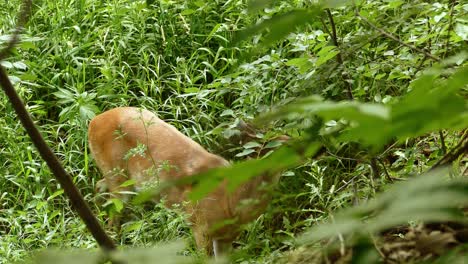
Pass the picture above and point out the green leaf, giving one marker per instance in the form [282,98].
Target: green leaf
[27,45]
[163,253]
[361,112]
[118,204]
[283,158]
[273,144]
[303,64]
[187,12]
[257,5]
[133,226]
[20,65]
[55,194]
[252,144]
[462,31]
[127,183]
[432,104]
[335,3]
[280,25]
[325,54]
[6,64]
[245,152]
[228,112]
[192,90]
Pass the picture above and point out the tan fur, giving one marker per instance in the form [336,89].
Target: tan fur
[171,155]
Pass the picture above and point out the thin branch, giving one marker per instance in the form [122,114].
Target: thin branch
[62,176]
[390,178]
[346,184]
[343,158]
[419,67]
[355,193]
[374,241]
[442,142]
[387,150]
[22,19]
[376,170]
[460,149]
[450,28]
[352,52]
[325,26]
[339,58]
[375,173]
[333,27]
[390,36]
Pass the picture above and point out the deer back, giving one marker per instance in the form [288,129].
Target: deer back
[132,143]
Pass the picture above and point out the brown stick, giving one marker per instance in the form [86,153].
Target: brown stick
[339,58]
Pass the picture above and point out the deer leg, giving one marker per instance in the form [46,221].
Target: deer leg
[112,182]
[203,241]
[221,246]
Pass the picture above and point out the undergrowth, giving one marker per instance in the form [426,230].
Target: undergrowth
[78,58]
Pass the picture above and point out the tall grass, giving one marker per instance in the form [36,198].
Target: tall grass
[81,57]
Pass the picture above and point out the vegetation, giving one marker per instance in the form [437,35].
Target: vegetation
[373,93]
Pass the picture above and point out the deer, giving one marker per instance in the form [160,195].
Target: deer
[165,154]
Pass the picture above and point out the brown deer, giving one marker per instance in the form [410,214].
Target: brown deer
[132,143]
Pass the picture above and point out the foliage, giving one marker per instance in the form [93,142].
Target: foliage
[291,66]
[402,202]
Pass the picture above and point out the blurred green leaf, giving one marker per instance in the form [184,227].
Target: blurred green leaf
[245,152]
[335,3]
[303,64]
[127,183]
[164,253]
[403,202]
[204,183]
[257,5]
[55,194]
[252,144]
[118,204]
[432,104]
[325,54]
[239,173]
[280,25]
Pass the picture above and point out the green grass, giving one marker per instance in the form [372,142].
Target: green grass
[81,57]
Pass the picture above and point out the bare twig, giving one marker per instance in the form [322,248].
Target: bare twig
[22,19]
[390,178]
[419,67]
[450,26]
[325,26]
[375,173]
[355,193]
[343,158]
[346,184]
[460,149]
[333,28]
[442,142]
[388,149]
[374,241]
[339,58]
[46,153]
[349,53]
[376,170]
